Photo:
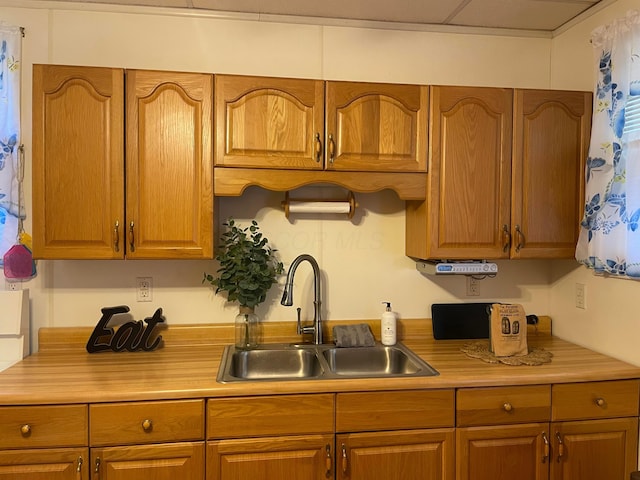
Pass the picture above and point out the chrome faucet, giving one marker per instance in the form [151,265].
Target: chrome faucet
[287,297]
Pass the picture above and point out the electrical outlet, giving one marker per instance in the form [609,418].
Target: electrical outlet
[12,285]
[144,289]
[473,287]
[581,296]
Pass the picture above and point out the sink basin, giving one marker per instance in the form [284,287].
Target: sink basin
[278,363]
[309,362]
[373,361]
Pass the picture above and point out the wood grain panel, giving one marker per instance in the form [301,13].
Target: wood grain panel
[412,454]
[377,127]
[184,461]
[269,122]
[78,161]
[43,426]
[503,405]
[366,411]
[551,141]
[307,457]
[232,182]
[595,450]
[126,423]
[169,165]
[270,415]
[45,464]
[506,451]
[469,176]
[575,401]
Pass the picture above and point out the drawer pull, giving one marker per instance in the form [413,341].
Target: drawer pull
[507,407]
[25,429]
[147,425]
[545,439]
[600,402]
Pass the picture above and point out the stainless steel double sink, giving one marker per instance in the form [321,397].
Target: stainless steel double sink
[285,361]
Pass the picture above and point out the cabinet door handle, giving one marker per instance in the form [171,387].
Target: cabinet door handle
[96,470]
[506,238]
[131,237]
[345,459]
[116,236]
[332,149]
[79,463]
[520,237]
[545,454]
[318,148]
[329,461]
[560,446]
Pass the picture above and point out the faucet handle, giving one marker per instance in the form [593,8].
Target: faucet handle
[299,330]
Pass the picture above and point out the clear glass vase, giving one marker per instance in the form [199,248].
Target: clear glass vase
[247,327]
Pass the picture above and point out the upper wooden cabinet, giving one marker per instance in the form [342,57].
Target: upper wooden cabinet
[506,176]
[551,142]
[310,124]
[268,122]
[79,187]
[78,161]
[169,203]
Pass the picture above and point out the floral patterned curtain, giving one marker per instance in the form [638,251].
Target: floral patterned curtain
[609,240]
[10,204]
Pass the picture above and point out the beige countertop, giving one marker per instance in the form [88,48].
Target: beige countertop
[63,372]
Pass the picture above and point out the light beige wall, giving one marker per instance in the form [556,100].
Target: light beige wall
[611,321]
[363,261]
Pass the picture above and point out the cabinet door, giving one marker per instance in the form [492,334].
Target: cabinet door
[78,162]
[467,210]
[504,452]
[376,127]
[45,464]
[551,140]
[169,165]
[308,457]
[269,122]
[409,455]
[595,449]
[184,461]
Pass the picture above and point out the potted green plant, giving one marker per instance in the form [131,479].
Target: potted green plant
[248,269]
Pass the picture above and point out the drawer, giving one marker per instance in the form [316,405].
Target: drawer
[43,426]
[593,400]
[370,411]
[270,415]
[146,422]
[503,405]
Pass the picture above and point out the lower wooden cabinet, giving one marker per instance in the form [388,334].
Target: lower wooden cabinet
[574,431]
[170,461]
[409,455]
[45,464]
[504,452]
[309,457]
[595,449]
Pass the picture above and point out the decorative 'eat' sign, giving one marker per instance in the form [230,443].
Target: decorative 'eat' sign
[130,336]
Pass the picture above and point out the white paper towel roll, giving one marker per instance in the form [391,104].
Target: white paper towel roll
[319,207]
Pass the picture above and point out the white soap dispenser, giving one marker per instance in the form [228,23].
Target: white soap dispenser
[388,326]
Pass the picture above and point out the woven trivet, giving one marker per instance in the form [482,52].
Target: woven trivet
[536,356]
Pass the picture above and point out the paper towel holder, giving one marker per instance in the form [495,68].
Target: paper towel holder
[319,206]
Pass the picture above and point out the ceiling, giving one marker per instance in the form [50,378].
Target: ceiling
[533,15]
